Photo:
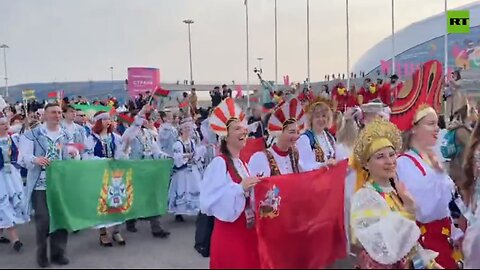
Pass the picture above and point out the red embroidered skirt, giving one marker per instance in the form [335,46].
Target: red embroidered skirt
[436,236]
[233,246]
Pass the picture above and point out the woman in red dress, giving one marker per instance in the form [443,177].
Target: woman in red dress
[226,193]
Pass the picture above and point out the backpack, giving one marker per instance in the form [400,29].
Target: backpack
[449,147]
[313,142]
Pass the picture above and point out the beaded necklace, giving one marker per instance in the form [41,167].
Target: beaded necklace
[105,141]
[392,198]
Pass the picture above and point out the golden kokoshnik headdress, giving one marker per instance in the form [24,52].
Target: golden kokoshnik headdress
[374,137]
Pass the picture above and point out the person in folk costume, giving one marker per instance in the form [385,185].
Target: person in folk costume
[14,130]
[471,244]
[354,97]
[226,193]
[77,132]
[286,123]
[266,114]
[382,211]
[140,144]
[204,223]
[420,171]
[104,143]
[12,195]
[167,134]
[471,191]
[461,126]
[316,146]
[82,120]
[388,93]
[210,140]
[340,95]
[38,147]
[346,135]
[184,191]
[16,124]
[197,139]
[369,91]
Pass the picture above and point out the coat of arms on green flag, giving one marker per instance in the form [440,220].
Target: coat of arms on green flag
[84,194]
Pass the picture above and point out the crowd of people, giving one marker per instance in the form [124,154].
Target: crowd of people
[393,224]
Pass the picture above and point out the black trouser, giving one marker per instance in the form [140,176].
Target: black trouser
[203,231]
[58,239]
[154,223]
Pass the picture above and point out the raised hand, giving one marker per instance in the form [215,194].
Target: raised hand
[407,199]
[249,182]
[331,162]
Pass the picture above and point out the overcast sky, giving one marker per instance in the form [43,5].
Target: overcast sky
[78,40]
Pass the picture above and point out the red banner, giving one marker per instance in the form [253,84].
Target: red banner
[300,219]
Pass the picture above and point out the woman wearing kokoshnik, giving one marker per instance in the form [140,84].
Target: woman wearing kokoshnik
[13,211]
[140,143]
[316,146]
[104,143]
[382,211]
[226,193]
[418,168]
[285,124]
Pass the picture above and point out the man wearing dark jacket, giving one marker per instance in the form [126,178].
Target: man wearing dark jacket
[216,96]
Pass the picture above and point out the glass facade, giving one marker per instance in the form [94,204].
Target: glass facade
[463,52]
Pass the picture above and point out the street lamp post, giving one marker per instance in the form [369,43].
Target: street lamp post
[111,76]
[276,49]
[189,22]
[308,42]
[260,62]
[393,37]
[248,53]
[348,45]
[5,47]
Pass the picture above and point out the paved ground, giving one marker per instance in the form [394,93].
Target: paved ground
[141,251]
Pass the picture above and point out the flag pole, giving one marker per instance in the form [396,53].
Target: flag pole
[248,54]
[276,49]
[393,37]
[445,63]
[348,47]
[308,43]
[446,41]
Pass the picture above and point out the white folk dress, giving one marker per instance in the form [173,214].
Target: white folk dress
[260,164]
[184,191]
[13,210]
[308,155]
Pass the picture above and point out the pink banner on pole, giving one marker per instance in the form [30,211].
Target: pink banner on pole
[142,79]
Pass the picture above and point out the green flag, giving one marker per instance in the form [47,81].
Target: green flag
[83,194]
[92,108]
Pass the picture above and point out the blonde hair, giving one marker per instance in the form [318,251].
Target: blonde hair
[324,106]
[347,131]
